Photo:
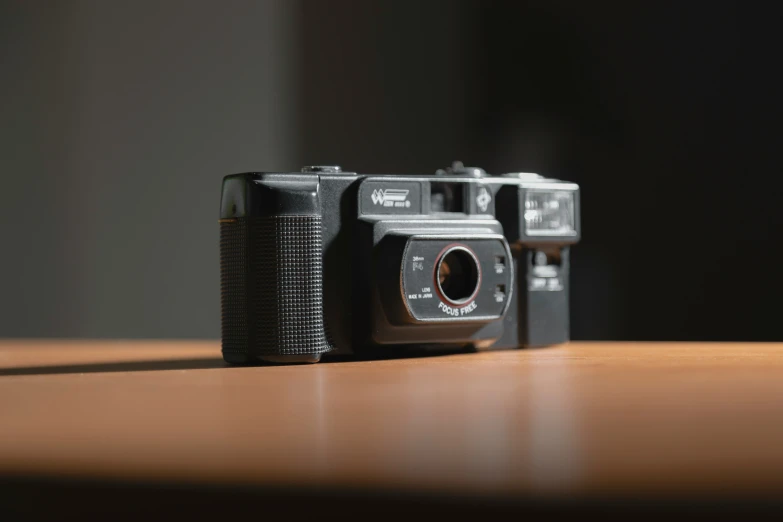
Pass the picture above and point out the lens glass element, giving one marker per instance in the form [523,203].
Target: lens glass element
[458,275]
[549,213]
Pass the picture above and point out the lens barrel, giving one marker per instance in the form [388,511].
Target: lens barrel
[457,275]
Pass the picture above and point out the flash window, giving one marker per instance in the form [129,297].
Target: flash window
[549,213]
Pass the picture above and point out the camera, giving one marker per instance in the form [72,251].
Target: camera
[324,261]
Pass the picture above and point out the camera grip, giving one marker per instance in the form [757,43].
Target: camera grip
[272,289]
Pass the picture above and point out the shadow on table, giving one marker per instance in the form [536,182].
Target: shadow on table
[129,366]
[209,363]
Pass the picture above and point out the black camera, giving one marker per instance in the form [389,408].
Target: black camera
[325,261]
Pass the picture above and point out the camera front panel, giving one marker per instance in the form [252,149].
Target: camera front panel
[440,270]
[448,279]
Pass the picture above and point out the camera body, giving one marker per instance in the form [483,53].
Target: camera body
[325,261]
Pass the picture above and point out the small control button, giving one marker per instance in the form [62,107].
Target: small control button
[326,169]
[500,293]
[540,259]
[524,176]
[458,169]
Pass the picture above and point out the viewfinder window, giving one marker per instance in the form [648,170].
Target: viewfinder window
[447,197]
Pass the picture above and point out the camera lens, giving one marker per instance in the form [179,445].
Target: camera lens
[458,275]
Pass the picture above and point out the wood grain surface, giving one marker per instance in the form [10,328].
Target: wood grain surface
[585,418]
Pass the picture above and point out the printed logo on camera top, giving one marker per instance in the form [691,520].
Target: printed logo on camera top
[483,199]
[391,197]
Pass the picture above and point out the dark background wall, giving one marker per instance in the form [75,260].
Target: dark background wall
[119,120]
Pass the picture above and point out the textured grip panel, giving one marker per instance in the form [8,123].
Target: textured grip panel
[288,283]
[233,286]
[272,286]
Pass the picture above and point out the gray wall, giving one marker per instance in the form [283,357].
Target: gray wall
[118,120]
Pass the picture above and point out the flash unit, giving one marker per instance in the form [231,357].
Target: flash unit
[549,213]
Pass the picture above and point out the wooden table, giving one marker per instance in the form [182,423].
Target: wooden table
[582,421]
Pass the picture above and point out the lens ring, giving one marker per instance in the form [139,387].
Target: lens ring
[458,275]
